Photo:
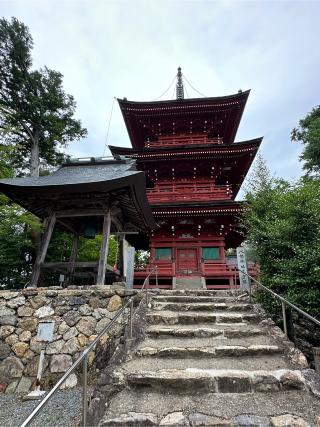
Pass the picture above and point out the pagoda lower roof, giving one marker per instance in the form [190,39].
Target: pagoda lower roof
[146,119]
[148,153]
[89,185]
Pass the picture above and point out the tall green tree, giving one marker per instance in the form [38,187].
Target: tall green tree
[308,132]
[282,221]
[36,115]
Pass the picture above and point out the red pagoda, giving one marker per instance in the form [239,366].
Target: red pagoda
[194,170]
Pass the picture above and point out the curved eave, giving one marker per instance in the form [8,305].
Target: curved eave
[216,208]
[161,151]
[214,100]
[37,198]
[132,111]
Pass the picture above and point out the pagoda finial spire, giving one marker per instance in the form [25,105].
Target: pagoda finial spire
[179,86]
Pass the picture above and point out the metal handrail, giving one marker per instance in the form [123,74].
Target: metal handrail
[284,302]
[84,355]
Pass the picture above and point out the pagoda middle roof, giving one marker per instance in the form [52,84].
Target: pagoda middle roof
[149,119]
[241,147]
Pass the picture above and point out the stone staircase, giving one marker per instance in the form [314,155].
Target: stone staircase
[191,282]
[210,358]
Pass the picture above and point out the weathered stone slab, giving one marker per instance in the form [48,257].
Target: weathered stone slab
[288,420]
[131,419]
[28,324]
[197,419]
[231,383]
[115,303]
[87,326]
[11,367]
[174,419]
[24,385]
[5,350]
[45,311]
[60,362]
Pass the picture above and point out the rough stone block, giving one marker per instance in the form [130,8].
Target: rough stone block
[28,324]
[11,367]
[87,325]
[5,331]
[8,320]
[197,419]
[5,311]
[16,302]
[20,348]
[24,311]
[233,384]
[5,350]
[115,303]
[265,383]
[71,346]
[288,420]
[24,385]
[44,311]
[60,362]
[251,421]
[71,318]
[70,382]
[55,347]
[72,332]
[291,380]
[174,419]
[11,388]
[25,336]
[12,339]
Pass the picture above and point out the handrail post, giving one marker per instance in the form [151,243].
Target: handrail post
[250,291]
[131,318]
[284,316]
[147,295]
[156,276]
[85,392]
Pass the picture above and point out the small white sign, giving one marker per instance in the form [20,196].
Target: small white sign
[242,266]
[45,330]
[130,267]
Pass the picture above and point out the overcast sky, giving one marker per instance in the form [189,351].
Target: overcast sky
[132,49]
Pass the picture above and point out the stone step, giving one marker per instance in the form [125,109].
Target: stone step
[203,332]
[207,352]
[193,298]
[270,362]
[217,381]
[245,410]
[173,318]
[205,292]
[201,306]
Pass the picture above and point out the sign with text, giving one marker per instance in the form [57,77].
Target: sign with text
[242,266]
[130,267]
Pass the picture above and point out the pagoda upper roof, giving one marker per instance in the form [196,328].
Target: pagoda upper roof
[86,184]
[148,120]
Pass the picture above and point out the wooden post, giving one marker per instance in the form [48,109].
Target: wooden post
[104,248]
[73,255]
[49,226]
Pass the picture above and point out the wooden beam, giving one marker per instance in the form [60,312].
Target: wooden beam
[49,226]
[69,264]
[104,248]
[71,213]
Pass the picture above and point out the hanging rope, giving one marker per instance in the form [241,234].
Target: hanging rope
[174,78]
[107,136]
[185,78]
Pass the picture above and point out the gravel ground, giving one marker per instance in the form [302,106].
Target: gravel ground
[63,410]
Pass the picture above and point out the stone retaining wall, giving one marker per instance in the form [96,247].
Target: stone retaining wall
[79,315]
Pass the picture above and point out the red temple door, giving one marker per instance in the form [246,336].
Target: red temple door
[187,261]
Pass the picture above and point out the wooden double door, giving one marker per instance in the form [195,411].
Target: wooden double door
[187,261]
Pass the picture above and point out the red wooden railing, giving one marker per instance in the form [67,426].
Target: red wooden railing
[177,140]
[188,190]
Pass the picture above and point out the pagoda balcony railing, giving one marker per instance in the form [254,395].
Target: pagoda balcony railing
[185,192]
[178,140]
